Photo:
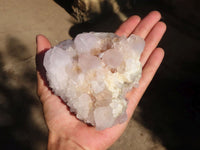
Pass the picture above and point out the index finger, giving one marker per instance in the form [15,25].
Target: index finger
[128,26]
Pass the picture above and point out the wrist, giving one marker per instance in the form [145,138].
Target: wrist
[59,143]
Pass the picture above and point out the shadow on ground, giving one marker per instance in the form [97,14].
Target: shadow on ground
[18,105]
[107,21]
[170,107]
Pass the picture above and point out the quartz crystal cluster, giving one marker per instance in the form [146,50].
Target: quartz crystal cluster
[93,73]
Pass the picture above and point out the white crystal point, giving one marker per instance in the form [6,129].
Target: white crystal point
[93,73]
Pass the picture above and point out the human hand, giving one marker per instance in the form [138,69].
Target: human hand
[65,130]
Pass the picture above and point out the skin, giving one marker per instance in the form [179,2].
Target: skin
[65,131]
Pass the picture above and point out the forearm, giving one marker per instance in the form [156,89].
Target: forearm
[59,143]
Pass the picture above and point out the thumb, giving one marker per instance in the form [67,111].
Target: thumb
[43,45]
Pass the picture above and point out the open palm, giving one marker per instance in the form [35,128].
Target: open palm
[63,126]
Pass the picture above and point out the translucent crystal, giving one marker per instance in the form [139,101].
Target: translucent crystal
[93,73]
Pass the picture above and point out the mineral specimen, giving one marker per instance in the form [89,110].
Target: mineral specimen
[92,74]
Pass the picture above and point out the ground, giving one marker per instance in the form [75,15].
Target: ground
[168,116]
